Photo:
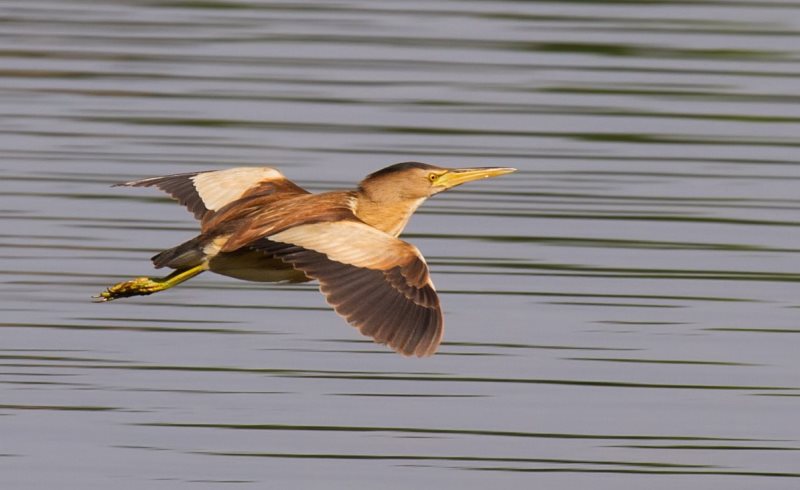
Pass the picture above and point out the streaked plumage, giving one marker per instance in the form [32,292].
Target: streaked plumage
[257,225]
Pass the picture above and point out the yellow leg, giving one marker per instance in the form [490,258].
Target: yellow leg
[142,286]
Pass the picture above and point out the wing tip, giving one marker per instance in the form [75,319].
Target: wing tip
[428,343]
[137,183]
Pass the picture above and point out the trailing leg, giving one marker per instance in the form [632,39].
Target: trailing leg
[142,286]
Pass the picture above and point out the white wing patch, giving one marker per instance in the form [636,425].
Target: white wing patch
[222,187]
[349,242]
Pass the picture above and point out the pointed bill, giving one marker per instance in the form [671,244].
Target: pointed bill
[459,176]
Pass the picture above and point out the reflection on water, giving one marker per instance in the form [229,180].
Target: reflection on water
[625,305]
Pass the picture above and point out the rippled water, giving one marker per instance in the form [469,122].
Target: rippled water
[621,313]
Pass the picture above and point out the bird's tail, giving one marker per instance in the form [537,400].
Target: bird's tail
[142,286]
[186,255]
[188,259]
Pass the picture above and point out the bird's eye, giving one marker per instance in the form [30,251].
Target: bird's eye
[432,177]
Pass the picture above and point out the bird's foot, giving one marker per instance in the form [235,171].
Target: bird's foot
[141,286]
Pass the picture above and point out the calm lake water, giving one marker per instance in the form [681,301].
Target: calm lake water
[621,313]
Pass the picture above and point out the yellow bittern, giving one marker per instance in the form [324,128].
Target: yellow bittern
[257,225]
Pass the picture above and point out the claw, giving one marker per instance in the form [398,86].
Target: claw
[140,286]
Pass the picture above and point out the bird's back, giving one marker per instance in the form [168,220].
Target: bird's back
[252,217]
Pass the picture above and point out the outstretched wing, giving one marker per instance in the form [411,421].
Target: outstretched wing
[378,283]
[204,192]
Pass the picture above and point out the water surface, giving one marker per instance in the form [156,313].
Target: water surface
[621,313]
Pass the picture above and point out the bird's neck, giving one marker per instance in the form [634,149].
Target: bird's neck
[387,215]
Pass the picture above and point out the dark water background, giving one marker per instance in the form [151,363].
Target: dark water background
[621,313]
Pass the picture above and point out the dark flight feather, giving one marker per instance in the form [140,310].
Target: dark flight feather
[386,305]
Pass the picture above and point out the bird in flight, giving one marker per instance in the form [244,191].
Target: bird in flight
[257,225]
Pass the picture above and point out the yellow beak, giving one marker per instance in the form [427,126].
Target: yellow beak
[458,176]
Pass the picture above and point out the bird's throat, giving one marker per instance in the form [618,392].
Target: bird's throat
[390,216]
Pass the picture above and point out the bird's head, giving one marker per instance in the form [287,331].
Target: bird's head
[415,180]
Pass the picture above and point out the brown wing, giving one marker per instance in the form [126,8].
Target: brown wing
[204,192]
[378,283]
[249,219]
